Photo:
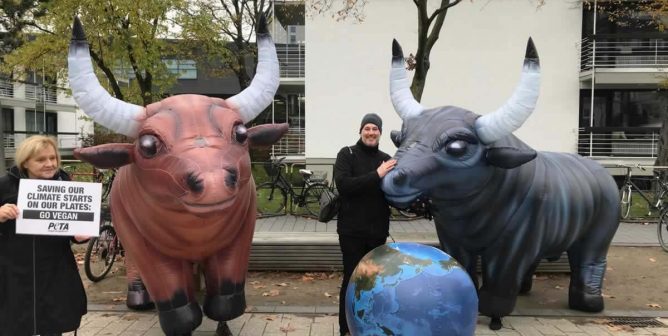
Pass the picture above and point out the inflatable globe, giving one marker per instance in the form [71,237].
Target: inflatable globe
[410,289]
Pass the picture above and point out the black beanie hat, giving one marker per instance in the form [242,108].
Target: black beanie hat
[372,118]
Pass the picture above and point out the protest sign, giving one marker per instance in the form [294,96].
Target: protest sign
[58,208]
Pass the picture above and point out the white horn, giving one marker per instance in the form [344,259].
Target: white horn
[260,93]
[509,117]
[93,99]
[400,93]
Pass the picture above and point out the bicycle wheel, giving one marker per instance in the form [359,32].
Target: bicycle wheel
[625,201]
[271,200]
[101,254]
[662,231]
[312,198]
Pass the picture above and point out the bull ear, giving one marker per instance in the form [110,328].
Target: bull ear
[107,156]
[509,157]
[267,134]
[395,136]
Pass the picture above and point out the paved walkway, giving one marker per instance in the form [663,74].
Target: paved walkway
[323,321]
[263,324]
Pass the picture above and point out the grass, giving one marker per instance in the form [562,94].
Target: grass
[640,208]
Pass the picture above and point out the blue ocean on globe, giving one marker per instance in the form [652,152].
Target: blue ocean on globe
[410,289]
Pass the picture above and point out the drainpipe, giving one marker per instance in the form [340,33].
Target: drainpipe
[593,81]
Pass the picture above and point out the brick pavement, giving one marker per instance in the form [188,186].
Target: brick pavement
[314,321]
[274,324]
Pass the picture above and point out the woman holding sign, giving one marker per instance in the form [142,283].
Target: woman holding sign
[41,292]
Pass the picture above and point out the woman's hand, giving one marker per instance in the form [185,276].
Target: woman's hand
[385,167]
[8,211]
[81,239]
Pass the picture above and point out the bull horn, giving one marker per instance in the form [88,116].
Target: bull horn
[260,93]
[518,108]
[402,97]
[93,99]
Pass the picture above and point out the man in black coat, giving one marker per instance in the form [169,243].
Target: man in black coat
[364,215]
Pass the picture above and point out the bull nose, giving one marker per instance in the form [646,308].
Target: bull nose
[194,183]
[400,178]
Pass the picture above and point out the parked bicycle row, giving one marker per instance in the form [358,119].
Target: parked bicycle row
[654,196]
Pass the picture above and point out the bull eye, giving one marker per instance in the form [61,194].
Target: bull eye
[240,133]
[149,145]
[456,148]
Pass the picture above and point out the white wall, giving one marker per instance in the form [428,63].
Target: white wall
[475,65]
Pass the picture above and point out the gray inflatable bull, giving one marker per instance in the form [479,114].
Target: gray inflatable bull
[495,198]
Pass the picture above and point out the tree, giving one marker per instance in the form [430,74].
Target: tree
[236,19]
[14,17]
[429,29]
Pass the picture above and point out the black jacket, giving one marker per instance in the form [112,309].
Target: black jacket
[364,211]
[40,287]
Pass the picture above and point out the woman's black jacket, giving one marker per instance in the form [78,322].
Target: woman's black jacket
[40,288]
[364,212]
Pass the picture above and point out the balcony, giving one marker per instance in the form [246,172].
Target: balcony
[620,143]
[292,143]
[66,141]
[6,88]
[603,53]
[291,60]
[41,93]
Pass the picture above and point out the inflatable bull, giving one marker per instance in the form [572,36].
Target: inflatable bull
[495,198]
[184,192]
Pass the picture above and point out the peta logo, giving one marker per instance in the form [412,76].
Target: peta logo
[58,227]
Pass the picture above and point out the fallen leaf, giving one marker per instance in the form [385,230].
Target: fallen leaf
[282,284]
[653,305]
[652,259]
[119,299]
[270,317]
[259,287]
[558,287]
[254,282]
[328,295]
[287,328]
[307,278]
[283,302]
[622,327]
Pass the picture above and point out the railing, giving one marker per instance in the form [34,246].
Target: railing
[291,143]
[619,142]
[291,60]
[6,88]
[649,53]
[41,93]
[66,140]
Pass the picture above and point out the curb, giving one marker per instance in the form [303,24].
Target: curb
[334,310]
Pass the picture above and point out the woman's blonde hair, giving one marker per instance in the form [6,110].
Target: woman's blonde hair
[30,146]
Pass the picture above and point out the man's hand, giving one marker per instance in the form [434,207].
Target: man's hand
[385,167]
[8,211]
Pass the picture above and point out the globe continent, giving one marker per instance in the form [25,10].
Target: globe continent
[410,289]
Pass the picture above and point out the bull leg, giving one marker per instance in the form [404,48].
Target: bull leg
[527,281]
[137,296]
[169,281]
[502,277]
[225,274]
[588,260]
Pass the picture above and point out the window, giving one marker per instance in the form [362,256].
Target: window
[184,69]
[41,122]
[623,108]
[292,34]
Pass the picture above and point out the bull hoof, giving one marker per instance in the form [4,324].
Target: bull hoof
[225,307]
[491,305]
[138,297]
[591,303]
[223,329]
[495,323]
[182,320]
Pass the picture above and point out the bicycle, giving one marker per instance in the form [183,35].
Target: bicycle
[655,202]
[272,196]
[102,251]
